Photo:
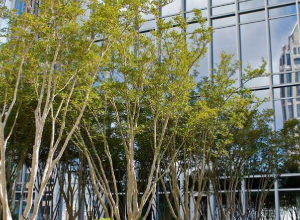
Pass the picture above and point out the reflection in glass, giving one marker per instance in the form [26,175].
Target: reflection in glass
[289,205]
[223,21]
[287,63]
[283,37]
[172,8]
[192,27]
[280,114]
[224,40]
[286,92]
[251,4]
[268,209]
[287,108]
[287,182]
[148,25]
[191,4]
[201,68]
[263,95]
[219,2]
[255,16]
[254,49]
[272,2]
[276,12]
[257,82]
[191,15]
[223,9]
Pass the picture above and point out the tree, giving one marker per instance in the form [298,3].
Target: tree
[50,60]
[146,87]
[217,108]
[253,153]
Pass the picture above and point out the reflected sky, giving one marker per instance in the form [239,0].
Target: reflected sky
[254,48]
[272,2]
[223,10]
[191,4]
[172,8]
[224,40]
[263,95]
[219,2]
[251,4]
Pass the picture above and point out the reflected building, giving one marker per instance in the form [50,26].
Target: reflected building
[23,6]
[290,73]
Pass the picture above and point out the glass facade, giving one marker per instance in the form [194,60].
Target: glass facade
[253,30]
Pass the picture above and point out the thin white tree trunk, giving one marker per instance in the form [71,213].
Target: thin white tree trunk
[3,191]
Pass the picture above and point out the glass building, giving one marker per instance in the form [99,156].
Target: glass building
[253,30]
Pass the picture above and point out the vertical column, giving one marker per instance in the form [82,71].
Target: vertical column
[211,200]
[154,207]
[156,202]
[209,46]
[277,215]
[238,39]
[298,21]
[23,184]
[211,204]
[192,207]
[82,211]
[270,60]
[277,208]
[183,6]
[243,196]
[61,204]
[181,188]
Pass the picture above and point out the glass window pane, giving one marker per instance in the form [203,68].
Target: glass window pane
[290,77]
[290,91]
[219,2]
[286,109]
[268,209]
[254,49]
[289,205]
[283,37]
[257,82]
[260,15]
[224,40]
[297,74]
[263,95]
[280,113]
[276,12]
[148,25]
[201,67]
[223,9]
[172,8]
[223,21]
[191,4]
[191,15]
[295,50]
[296,62]
[191,28]
[251,4]
[272,2]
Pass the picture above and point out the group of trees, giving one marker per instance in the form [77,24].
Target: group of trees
[115,118]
